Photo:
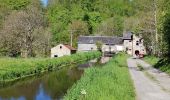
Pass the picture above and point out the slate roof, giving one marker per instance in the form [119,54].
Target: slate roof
[104,39]
[127,36]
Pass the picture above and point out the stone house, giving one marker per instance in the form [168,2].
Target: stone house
[130,43]
[133,44]
[62,50]
[109,44]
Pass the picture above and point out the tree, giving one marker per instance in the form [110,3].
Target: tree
[111,27]
[166,35]
[19,31]
[42,42]
[77,28]
[165,27]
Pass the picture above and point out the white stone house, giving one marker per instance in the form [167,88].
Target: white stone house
[133,44]
[109,44]
[62,50]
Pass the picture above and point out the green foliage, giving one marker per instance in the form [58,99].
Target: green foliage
[161,64]
[77,28]
[164,26]
[93,12]
[151,59]
[12,69]
[166,31]
[95,18]
[17,4]
[112,26]
[111,82]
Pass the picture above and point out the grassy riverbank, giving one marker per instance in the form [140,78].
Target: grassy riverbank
[161,64]
[12,69]
[110,82]
[151,59]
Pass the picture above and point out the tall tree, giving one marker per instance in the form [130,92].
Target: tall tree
[19,32]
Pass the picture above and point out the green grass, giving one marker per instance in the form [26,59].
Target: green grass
[151,59]
[161,64]
[12,69]
[110,82]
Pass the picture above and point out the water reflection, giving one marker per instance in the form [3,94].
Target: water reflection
[42,95]
[47,87]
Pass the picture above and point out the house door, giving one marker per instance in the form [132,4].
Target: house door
[137,52]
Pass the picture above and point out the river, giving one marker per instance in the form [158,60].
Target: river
[49,86]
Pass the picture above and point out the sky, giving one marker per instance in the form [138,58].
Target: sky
[45,2]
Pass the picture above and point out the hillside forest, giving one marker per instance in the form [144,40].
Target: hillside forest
[30,29]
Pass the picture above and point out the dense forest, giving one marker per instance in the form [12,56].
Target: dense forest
[29,29]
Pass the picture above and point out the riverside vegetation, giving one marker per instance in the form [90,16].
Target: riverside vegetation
[162,64]
[110,82]
[151,59]
[12,69]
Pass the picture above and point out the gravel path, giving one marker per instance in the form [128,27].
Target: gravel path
[149,83]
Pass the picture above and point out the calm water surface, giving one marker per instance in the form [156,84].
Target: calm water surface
[50,86]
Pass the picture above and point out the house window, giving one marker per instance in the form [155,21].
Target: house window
[130,41]
[130,49]
[60,47]
[92,48]
[137,43]
[55,56]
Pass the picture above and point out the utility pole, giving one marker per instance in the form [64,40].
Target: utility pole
[155,15]
[71,36]
[155,44]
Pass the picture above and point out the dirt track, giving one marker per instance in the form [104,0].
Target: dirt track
[150,84]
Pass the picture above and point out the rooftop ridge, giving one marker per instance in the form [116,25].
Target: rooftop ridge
[104,39]
[104,36]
